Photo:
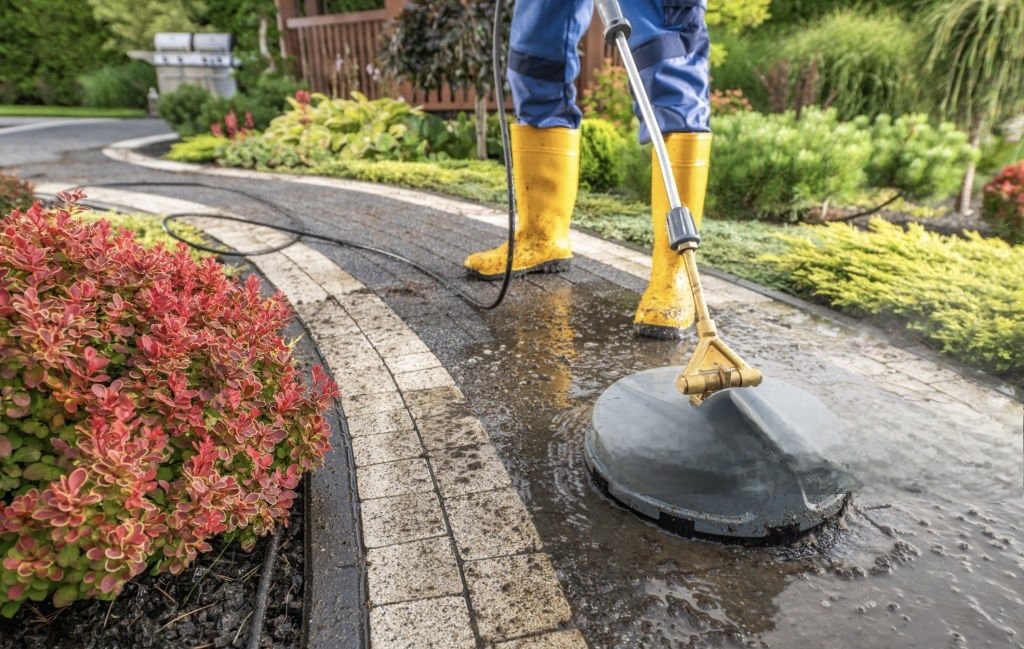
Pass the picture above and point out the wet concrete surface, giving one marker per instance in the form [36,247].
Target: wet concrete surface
[930,555]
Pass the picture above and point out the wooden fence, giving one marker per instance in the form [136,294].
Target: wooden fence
[337,53]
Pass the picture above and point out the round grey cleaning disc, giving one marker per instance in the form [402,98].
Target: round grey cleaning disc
[748,463]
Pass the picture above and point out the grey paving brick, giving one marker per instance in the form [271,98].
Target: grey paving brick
[446,401]
[468,469]
[386,421]
[424,379]
[361,405]
[491,524]
[393,479]
[441,432]
[515,596]
[401,519]
[386,447]
[570,639]
[441,623]
[415,570]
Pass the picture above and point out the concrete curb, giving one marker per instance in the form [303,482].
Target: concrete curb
[453,558]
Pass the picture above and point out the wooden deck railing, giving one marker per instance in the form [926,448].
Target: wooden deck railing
[337,53]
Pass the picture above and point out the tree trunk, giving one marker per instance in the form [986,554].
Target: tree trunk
[963,204]
[480,110]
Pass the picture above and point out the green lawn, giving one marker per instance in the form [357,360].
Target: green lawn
[7,110]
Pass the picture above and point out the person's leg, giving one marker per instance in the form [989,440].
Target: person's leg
[671,46]
[542,68]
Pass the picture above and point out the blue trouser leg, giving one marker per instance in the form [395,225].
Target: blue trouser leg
[543,62]
[669,41]
[671,46]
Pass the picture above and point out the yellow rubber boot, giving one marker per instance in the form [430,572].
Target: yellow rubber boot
[666,308]
[546,162]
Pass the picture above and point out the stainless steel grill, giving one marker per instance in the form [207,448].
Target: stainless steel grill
[203,60]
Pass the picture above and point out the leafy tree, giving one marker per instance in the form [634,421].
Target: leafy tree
[45,45]
[733,17]
[134,22]
[253,24]
[446,40]
[976,59]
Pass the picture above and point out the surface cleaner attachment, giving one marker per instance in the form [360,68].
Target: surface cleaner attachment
[714,450]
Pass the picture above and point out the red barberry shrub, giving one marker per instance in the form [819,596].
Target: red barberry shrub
[148,404]
[15,193]
[1003,205]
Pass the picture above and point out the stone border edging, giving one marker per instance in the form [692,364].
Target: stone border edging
[453,558]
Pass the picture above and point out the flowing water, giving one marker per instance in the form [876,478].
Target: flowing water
[930,555]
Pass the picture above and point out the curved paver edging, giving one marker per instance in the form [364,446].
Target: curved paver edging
[453,558]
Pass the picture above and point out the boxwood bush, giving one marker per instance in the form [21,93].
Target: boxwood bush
[147,405]
[775,167]
[601,151]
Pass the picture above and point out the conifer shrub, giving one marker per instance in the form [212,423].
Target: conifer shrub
[964,294]
[148,404]
[600,155]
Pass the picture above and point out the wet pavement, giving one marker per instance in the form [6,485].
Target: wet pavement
[930,555]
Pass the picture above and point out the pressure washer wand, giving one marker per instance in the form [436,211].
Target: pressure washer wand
[713,366]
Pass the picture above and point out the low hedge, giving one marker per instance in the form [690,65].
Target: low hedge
[161,410]
[965,294]
[15,193]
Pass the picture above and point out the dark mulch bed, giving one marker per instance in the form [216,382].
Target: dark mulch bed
[208,605]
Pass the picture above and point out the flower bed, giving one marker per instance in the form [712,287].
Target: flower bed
[148,404]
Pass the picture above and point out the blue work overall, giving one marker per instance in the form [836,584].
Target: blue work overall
[669,41]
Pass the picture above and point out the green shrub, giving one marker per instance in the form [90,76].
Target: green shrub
[191,109]
[774,167]
[866,62]
[749,56]
[15,193]
[600,155]
[118,86]
[183,109]
[962,293]
[636,169]
[204,147]
[1003,206]
[921,160]
[318,129]
[608,97]
[45,44]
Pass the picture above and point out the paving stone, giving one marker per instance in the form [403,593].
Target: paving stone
[412,362]
[283,272]
[515,596]
[414,570]
[447,401]
[468,469]
[401,343]
[387,421]
[328,319]
[441,623]
[424,379]
[401,519]
[491,524]
[361,405]
[386,447]
[366,381]
[571,639]
[441,432]
[393,479]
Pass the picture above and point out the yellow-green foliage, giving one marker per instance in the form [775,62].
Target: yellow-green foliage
[204,147]
[148,231]
[966,294]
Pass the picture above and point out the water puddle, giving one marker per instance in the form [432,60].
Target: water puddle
[931,555]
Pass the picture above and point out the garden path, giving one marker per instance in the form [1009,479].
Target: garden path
[938,448]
